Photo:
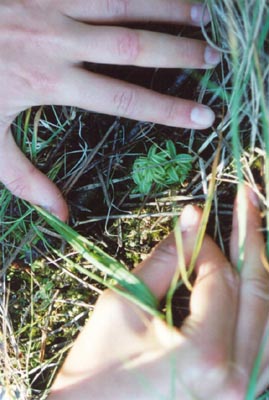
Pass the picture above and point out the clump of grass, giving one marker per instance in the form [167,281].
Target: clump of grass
[241,29]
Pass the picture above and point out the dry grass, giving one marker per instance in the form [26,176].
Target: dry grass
[45,298]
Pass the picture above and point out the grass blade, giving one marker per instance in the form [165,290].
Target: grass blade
[132,286]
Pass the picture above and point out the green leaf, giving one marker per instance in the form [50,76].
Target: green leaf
[171,149]
[161,167]
[183,158]
[173,176]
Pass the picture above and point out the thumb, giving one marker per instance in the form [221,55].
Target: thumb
[25,181]
[158,269]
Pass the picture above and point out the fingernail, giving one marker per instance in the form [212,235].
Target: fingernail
[253,198]
[212,56]
[202,116]
[189,218]
[200,14]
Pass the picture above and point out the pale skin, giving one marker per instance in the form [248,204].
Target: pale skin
[43,44]
[123,353]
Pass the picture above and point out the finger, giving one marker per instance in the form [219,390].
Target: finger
[209,330]
[213,305]
[113,45]
[254,245]
[111,11]
[158,269]
[263,381]
[102,94]
[254,291]
[25,181]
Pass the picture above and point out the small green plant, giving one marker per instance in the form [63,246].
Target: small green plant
[160,168]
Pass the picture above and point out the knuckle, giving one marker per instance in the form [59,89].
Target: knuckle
[257,286]
[127,45]
[31,32]
[124,102]
[232,278]
[224,270]
[27,45]
[34,79]
[20,181]
[18,187]
[39,80]
[164,251]
[171,110]
[214,363]
[117,8]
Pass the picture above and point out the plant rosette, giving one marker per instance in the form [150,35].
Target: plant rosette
[160,168]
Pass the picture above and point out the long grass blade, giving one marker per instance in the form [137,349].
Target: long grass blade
[130,285]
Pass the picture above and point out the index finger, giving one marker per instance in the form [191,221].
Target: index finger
[213,304]
[254,288]
[97,93]
[112,11]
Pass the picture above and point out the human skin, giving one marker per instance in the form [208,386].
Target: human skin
[43,44]
[123,353]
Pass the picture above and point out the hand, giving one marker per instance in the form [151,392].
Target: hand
[123,353]
[43,45]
